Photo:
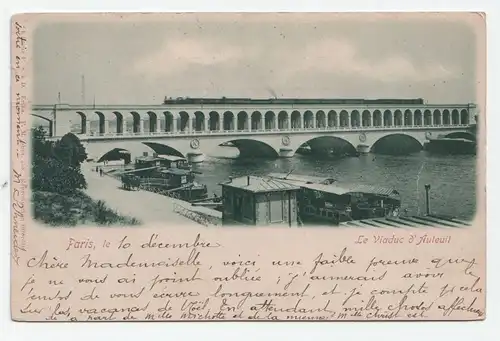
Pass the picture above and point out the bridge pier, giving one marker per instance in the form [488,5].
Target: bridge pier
[286,152]
[195,157]
[363,149]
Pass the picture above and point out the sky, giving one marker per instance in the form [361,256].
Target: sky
[260,56]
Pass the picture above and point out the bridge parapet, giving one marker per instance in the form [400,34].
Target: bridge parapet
[154,134]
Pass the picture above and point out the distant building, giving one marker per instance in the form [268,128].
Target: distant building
[259,201]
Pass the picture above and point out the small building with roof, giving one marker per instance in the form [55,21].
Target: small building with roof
[155,160]
[259,201]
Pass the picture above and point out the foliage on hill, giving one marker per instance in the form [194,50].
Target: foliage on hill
[56,165]
[57,182]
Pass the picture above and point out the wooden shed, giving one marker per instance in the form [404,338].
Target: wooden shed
[259,201]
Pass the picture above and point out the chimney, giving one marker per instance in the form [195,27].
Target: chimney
[248,180]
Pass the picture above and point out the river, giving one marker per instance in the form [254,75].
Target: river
[452,177]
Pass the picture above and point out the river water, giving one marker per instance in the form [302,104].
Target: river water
[452,177]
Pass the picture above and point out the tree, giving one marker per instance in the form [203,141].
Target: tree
[70,150]
[56,166]
[40,146]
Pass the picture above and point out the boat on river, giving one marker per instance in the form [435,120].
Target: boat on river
[325,200]
[164,174]
[443,145]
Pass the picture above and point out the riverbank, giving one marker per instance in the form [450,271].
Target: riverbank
[74,209]
[145,206]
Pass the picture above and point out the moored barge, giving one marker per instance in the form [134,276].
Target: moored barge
[443,145]
[295,200]
[325,200]
[164,174]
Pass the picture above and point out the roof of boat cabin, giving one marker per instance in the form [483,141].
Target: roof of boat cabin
[149,158]
[344,188]
[257,184]
[324,184]
[170,158]
[300,178]
[175,171]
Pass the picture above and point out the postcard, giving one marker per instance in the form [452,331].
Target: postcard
[248,167]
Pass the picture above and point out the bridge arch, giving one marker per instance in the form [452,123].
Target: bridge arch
[269,120]
[199,121]
[133,122]
[83,122]
[184,121]
[461,135]
[455,117]
[398,118]
[308,119]
[283,120]
[417,118]
[329,144]
[170,121]
[79,128]
[377,118]
[446,117]
[116,154]
[214,121]
[427,118]
[344,118]
[117,119]
[332,119]
[242,121]
[408,118]
[256,120]
[50,123]
[436,117]
[296,119]
[150,122]
[396,144]
[160,121]
[388,118]
[97,123]
[366,118]
[250,148]
[164,149]
[464,117]
[228,120]
[320,119]
[355,120]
